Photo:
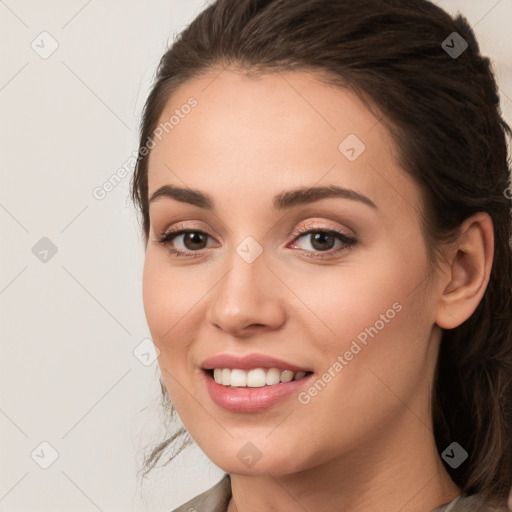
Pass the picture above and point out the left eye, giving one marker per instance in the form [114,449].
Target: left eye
[323,240]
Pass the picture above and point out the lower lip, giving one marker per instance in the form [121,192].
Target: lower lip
[252,399]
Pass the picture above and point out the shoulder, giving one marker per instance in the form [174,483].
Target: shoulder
[472,503]
[215,499]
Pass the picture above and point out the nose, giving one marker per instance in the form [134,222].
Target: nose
[247,299]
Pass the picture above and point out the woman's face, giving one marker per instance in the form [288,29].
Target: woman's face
[348,301]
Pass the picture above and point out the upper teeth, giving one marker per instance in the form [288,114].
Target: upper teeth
[254,378]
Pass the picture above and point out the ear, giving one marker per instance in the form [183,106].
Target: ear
[467,272]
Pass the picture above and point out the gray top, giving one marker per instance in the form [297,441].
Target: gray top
[216,499]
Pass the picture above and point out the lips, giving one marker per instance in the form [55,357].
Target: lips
[252,383]
[250,362]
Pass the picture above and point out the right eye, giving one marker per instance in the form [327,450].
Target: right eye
[193,238]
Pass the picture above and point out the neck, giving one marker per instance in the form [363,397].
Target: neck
[393,473]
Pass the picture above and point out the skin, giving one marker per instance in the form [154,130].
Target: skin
[365,442]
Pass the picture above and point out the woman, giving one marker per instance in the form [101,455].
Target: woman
[323,189]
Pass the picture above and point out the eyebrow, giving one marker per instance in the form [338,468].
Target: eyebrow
[282,201]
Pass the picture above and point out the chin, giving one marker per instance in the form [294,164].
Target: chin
[250,461]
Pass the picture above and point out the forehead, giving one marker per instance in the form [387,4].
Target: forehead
[231,134]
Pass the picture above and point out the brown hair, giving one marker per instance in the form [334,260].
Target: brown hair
[443,113]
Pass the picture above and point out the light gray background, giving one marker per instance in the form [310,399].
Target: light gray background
[69,326]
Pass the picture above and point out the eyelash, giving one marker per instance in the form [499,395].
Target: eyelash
[349,241]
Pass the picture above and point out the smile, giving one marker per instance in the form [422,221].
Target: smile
[247,399]
[254,378]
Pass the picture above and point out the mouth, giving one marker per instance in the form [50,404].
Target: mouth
[252,383]
[254,378]
[254,389]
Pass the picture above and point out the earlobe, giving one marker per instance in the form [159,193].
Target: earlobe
[467,272]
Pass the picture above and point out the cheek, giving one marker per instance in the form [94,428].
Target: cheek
[174,309]
[395,360]
[379,319]
[155,297]
[167,296]
[362,297]
[166,303]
